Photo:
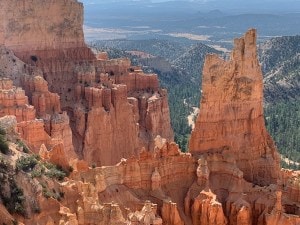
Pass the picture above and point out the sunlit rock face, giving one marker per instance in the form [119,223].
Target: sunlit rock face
[231,112]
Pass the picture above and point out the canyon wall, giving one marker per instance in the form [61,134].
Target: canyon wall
[114,109]
[38,25]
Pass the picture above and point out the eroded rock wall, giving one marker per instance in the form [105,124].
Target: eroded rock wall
[114,108]
[222,196]
[40,25]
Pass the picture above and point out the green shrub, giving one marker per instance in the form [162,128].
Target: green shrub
[23,146]
[36,168]
[3,165]
[27,163]
[2,131]
[15,203]
[37,172]
[47,193]
[55,171]
[51,194]
[3,145]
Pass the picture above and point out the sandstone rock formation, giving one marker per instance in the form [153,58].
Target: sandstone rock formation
[75,105]
[44,101]
[239,181]
[231,114]
[13,101]
[127,123]
[41,25]
[167,187]
[114,108]
[53,131]
[108,195]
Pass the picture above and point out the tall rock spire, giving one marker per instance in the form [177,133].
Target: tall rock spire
[231,112]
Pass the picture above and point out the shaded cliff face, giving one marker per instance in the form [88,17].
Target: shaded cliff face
[114,109]
[231,113]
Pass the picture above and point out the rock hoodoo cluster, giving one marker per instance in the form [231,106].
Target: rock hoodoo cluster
[114,109]
[110,122]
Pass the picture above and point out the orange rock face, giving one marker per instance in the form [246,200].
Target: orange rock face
[215,192]
[53,131]
[239,181]
[44,101]
[114,109]
[108,195]
[13,101]
[231,113]
[41,25]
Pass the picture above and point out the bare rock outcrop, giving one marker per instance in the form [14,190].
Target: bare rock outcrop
[152,188]
[170,214]
[221,195]
[132,109]
[45,102]
[231,113]
[207,210]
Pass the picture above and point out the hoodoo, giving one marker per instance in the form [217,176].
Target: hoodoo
[231,113]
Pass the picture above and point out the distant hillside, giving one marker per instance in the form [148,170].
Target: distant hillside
[191,62]
[170,50]
[280,59]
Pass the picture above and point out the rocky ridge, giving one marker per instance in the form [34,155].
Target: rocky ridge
[102,110]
